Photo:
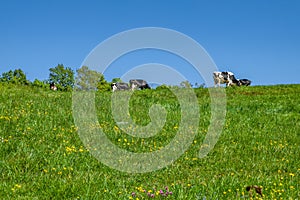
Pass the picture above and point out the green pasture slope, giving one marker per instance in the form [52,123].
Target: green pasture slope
[42,156]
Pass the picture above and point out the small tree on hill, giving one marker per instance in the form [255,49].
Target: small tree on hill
[116,80]
[62,77]
[185,84]
[87,79]
[103,85]
[16,77]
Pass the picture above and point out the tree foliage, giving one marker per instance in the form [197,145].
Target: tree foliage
[41,84]
[87,79]
[162,87]
[16,77]
[62,77]
[116,80]
[103,85]
[185,84]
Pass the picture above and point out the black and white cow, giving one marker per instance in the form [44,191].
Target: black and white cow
[139,83]
[224,77]
[119,86]
[53,86]
[245,82]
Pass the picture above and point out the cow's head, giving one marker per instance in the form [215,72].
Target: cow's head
[114,86]
[53,86]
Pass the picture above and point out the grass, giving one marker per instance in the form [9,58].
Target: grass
[42,156]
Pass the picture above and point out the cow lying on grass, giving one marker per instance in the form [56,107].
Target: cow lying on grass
[245,82]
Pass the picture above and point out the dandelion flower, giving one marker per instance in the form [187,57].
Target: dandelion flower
[291,174]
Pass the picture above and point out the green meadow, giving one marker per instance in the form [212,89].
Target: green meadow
[257,155]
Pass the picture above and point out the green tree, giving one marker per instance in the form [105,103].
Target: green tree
[62,77]
[7,76]
[16,77]
[185,84]
[116,80]
[103,85]
[20,77]
[162,87]
[87,79]
[41,84]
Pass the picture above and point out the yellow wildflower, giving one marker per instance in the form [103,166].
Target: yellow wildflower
[291,174]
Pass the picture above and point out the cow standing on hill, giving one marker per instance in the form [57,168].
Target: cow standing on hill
[224,77]
[119,86]
[139,83]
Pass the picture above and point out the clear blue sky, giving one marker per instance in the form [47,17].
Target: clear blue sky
[259,40]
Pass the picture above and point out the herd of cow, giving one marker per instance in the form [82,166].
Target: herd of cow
[227,78]
[133,84]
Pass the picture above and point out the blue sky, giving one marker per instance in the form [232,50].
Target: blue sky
[258,40]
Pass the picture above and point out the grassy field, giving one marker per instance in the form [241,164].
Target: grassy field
[42,156]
